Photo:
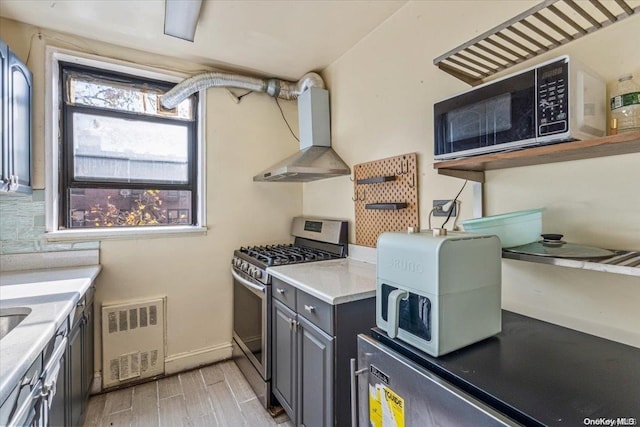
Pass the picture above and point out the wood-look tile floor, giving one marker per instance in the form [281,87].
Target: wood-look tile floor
[216,395]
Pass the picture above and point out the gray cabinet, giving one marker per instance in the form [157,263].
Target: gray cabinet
[80,355]
[69,404]
[315,375]
[75,375]
[88,349]
[57,409]
[15,110]
[283,369]
[312,344]
[58,403]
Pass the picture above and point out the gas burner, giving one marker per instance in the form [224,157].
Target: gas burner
[282,254]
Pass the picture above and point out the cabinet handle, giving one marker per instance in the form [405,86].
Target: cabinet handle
[29,381]
[309,308]
[293,324]
[280,291]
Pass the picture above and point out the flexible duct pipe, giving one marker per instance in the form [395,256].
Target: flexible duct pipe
[273,87]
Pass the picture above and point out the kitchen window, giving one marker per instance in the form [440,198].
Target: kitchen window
[125,164]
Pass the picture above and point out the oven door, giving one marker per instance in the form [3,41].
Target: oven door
[251,320]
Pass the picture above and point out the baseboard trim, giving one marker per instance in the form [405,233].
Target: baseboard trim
[193,359]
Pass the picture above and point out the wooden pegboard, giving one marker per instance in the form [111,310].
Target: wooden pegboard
[386,181]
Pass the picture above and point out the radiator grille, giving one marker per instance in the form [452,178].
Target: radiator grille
[133,345]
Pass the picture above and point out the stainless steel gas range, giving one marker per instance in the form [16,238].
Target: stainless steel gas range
[314,240]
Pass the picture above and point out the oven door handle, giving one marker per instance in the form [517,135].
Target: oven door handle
[259,288]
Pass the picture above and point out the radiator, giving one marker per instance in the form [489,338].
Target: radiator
[133,341]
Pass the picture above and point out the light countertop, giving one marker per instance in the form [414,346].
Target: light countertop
[335,282]
[51,295]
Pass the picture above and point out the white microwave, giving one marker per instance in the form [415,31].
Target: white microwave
[557,101]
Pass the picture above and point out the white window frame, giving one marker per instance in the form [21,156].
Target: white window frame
[52,150]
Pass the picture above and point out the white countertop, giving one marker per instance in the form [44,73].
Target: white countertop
[335,282]
[51,295]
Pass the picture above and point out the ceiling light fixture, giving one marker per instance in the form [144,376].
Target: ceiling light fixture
[181,18]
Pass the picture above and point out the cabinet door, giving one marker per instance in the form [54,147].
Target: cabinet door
[283,371]
[4,119]
[57,408]
[20,124]
[315,376]
[87,367]
[75,374]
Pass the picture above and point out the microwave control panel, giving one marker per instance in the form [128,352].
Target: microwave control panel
[552,91]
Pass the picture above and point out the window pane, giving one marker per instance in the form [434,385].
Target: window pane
[95,207]
[123,150]
[94,91]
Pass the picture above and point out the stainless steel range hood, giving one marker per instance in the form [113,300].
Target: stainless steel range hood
[316,159]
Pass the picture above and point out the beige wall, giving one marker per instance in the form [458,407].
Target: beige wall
[382,95]
[193,272]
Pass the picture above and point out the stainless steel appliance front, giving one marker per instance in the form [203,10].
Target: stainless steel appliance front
[390,387]
[251,329]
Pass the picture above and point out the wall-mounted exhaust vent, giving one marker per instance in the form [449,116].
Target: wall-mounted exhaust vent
[316,159]
[132,341]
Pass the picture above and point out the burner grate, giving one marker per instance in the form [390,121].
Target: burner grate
[282,254]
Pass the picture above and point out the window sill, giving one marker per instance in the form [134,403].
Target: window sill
[124,233]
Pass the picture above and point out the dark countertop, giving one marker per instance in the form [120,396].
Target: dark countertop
[539,373]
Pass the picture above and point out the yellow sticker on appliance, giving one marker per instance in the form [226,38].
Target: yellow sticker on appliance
[386,407]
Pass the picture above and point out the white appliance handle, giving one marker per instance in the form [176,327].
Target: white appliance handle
[393,306]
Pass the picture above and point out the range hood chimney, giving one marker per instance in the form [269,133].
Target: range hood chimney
[316,159]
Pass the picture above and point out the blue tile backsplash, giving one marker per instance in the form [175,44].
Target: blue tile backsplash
[22,226]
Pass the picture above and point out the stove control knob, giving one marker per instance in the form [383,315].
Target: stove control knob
[244,266]
[251,271]
[258,274]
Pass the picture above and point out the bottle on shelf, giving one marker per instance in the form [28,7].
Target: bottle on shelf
[625,104]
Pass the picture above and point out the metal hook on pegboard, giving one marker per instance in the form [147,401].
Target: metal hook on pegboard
[412,184]
[404,167]
[357,195]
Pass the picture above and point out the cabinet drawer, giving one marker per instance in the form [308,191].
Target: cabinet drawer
[316,311]
[284,292]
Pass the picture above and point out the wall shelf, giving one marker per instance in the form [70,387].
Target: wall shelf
[386,206]
[544,27]
[376,179]
[623,262]
[473,168]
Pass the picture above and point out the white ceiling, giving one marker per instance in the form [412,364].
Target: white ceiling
[279,38]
